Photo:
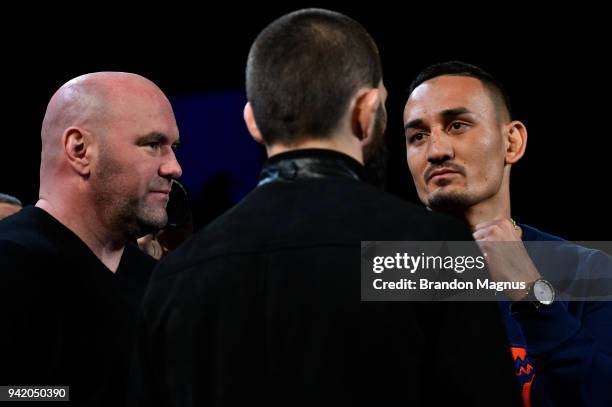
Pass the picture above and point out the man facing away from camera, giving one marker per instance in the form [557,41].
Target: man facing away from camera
[264,304]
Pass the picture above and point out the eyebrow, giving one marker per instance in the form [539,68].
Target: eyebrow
[155,137]
[414,124]
[457,111]
[446,114]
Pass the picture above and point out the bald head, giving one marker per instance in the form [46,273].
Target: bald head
[90,102]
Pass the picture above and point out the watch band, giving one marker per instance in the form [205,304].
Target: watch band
[530,301]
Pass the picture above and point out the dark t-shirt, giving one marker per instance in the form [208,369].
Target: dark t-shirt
[66,319]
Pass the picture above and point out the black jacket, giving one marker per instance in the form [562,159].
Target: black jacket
[263,306]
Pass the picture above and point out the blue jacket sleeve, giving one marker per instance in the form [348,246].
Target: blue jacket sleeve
[571,344]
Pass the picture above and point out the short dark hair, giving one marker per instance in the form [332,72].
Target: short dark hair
[458,68]
[4,198]
[302,71]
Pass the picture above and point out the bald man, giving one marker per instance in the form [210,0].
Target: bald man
[70,280]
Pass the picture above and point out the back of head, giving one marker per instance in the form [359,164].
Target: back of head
[303,70]
[9,205]
[9,199]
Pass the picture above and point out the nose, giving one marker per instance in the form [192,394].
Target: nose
[440,147]
[170,168]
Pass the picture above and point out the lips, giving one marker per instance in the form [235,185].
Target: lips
[161,194]
[441,171]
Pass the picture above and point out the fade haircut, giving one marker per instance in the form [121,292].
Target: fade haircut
[302,71]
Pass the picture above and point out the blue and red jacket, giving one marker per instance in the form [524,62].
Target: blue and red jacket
[563,352]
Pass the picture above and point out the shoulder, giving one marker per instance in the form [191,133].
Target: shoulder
[24,243]
[28,229]
[568,260]
[414,222]
[564,248]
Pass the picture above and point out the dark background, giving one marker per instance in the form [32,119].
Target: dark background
[553,63]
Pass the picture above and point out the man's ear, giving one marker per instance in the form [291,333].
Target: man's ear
[249,119]
[516,141]
[77,143]
[366,105]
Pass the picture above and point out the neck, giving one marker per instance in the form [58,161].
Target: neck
[494,208]
[332,143]
[107,247]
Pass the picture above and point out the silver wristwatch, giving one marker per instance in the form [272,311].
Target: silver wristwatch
[541,293]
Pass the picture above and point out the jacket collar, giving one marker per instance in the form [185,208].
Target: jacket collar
[308,164]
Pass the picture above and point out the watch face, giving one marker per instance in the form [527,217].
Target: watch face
[544,292]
